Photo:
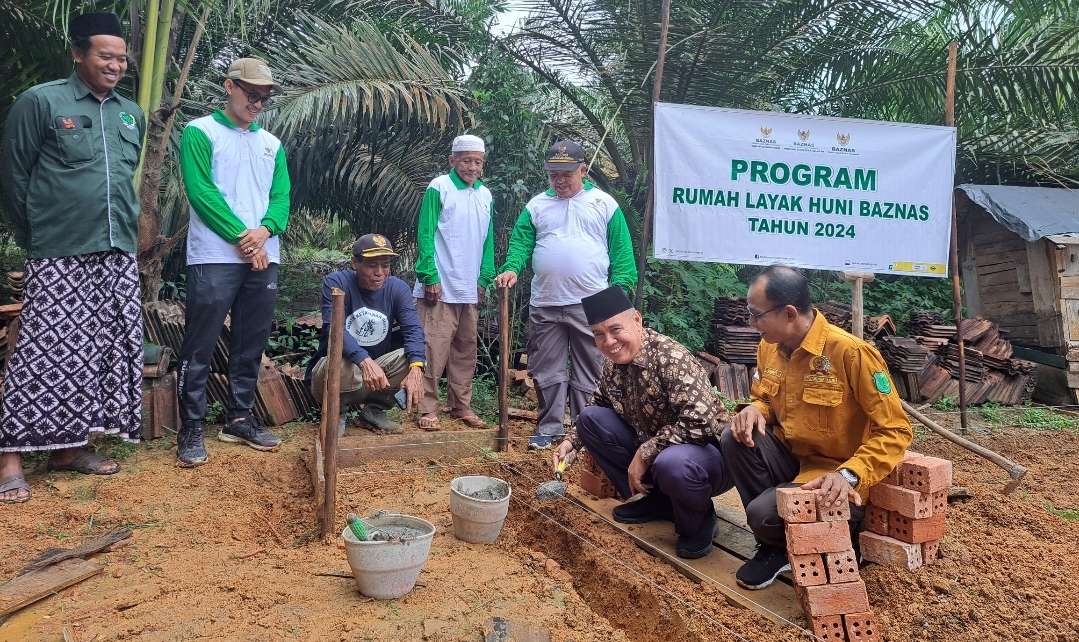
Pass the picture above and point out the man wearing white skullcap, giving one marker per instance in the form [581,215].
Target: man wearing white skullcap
[456,262]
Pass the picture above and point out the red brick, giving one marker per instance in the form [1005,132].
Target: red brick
[904,501]
[596,486]
[818,537]
[829,627]
[842,567]
[893,477]
[876,519]
[862,627]
[940,502]
[930,551]
[808,570]
[926,475]
[796,505]
[916,531]
[887,551]
[840,513]
[836,599]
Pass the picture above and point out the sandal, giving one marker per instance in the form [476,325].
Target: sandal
[430,423]
[14,483]
[472,421]
[86,463]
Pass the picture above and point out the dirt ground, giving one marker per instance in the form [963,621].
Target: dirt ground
[229,551]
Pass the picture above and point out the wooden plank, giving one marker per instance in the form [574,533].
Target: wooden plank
[31,587]
[88,547]
[361,449]
[1008,277]
[777,602]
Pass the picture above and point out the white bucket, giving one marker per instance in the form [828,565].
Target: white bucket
[386,570]
[479,519]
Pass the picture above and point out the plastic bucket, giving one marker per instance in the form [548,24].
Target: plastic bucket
[479,505]
[386,570]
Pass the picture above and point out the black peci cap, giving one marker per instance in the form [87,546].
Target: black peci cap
[605,304]
[95,24]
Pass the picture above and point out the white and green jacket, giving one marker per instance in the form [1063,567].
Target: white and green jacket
[572,243]
[456,239]
[236,179]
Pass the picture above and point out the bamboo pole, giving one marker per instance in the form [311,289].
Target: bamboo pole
[504,350]
[149,46]
[161,53]
[1015,471]
[953,258]
[649,205]
[331,412]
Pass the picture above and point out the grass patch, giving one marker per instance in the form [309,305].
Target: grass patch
[946,404]
[992,413]
[1044,419]
[1069,514]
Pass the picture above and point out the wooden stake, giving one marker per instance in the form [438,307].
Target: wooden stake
[331,411]
[1015,471]
[953,258]
[504,350]
[649,205]
[857,304]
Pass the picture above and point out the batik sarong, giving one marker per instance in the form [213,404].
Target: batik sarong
[77,364]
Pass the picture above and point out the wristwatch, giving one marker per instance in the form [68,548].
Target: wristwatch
[851,478]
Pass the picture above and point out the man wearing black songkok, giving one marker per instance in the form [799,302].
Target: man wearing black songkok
[652,425]
[70,149]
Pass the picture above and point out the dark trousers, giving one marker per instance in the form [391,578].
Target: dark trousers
[688,475]
[215,290]
[757,472]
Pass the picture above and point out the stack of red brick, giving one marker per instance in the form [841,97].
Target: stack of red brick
[824,567]
[905,518]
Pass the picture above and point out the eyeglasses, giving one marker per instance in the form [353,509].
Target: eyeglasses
[756,316]
[254,97]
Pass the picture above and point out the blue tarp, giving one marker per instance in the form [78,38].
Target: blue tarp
[1031,212]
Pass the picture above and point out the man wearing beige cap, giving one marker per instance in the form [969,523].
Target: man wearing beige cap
[455,263]
[237,182]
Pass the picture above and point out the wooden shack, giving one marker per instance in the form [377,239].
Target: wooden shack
[1019,261]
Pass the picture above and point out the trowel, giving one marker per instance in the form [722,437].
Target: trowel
[555,488]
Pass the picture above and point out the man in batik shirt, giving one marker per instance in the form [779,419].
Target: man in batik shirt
[652,425]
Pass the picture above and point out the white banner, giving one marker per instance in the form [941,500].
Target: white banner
[736,186]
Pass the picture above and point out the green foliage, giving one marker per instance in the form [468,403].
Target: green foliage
[1045,419]
[1069,514]
[946,404]
[292,343]
[680,298]
[992,413]
[215,412]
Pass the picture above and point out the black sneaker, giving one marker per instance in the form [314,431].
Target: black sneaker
[375,417]
[248,430]
[763,569]
[190,449]
[650,508]
[697,545]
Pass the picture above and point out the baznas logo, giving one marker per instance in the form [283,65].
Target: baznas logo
[842,139]
[766,131]
[803,135]
[127,119]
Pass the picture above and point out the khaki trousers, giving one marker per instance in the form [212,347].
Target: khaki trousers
[450,330]
[353,391]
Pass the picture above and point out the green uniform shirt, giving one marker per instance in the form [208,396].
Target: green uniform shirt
[68,167]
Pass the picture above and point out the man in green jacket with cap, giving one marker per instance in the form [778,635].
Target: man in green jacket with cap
[70,149]
[576,239]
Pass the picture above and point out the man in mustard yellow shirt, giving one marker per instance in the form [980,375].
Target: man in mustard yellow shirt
[823,414]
